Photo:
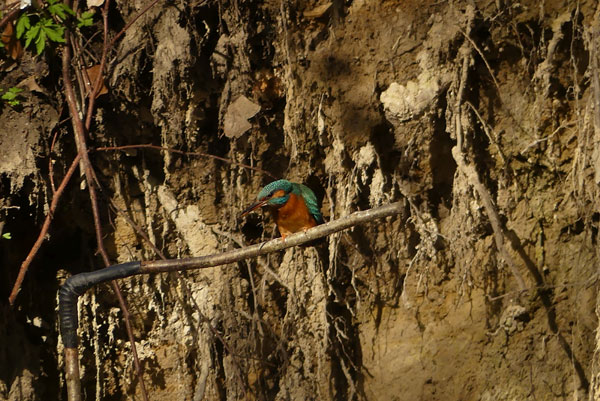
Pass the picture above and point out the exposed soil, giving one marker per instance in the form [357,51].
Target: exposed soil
[481,117]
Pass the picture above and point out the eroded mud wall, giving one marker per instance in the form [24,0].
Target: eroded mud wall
[482,118]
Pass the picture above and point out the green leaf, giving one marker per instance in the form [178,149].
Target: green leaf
[14,90]
[11,96]
[54,33]
[60,9]
[87,14]
[48,24]
[6,236]
[69,10]
[40,42]
[86,19]
[23,24]
[32,34]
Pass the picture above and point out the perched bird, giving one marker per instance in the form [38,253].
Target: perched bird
[294,206]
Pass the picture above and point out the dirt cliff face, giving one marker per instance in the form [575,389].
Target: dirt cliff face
[482,118]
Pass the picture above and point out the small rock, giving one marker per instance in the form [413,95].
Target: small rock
[235,122]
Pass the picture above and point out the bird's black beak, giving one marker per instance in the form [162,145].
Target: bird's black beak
[255,206]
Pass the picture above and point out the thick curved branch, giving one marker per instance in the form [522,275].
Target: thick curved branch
[273,245]
[78,284]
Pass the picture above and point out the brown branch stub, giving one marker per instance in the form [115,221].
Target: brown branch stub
[72,374]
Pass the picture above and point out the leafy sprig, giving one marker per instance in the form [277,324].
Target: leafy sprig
[44,29]
[48,24]
[59,9]
[86,19]
[11,96]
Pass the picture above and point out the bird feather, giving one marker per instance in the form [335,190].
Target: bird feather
[310,200]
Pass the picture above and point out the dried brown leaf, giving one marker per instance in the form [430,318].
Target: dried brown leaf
[11,43]
[91,74]
[31,84]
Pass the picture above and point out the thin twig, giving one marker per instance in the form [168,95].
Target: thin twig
[131,22]
[10,15]
[10,6]
[51,164]
[181,152]
[486,129]
[79,65]
[540,140]
[97,85]
[485,61]
[38,243]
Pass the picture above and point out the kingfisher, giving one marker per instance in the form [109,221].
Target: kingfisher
[293,206]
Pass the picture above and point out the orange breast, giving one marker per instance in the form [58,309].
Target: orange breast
[293,216]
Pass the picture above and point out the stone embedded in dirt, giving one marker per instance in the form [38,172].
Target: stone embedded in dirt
[410,101]
[235,123]
[94,3]
[318,11]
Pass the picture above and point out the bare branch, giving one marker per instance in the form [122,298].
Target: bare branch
[79,131]
[273,245]
[45,227]
[11,12]
[181,152]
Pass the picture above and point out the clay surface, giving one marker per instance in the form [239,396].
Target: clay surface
[482,117]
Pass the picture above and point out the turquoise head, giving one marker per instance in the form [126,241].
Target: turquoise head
[269,190]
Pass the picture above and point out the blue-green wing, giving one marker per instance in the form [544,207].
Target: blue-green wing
[311,201]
